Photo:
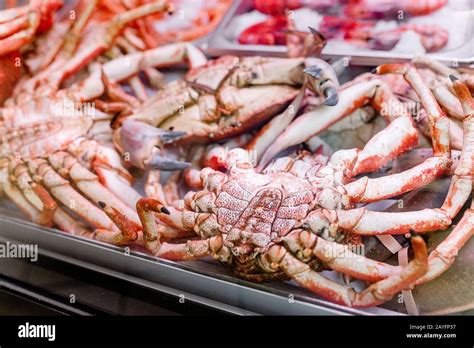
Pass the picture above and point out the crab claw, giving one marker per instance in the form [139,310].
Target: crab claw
[141,144]
[322,80]
[158,161]
[314,71]
[330,96]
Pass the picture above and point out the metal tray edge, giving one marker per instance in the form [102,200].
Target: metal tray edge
[164,276]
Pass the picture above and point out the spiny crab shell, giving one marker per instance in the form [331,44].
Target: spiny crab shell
[254,211]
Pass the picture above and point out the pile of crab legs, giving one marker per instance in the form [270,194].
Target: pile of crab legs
[284,218]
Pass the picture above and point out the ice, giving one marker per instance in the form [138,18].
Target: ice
[244,21]
[385,25]
[305,17]
[185,13]
[409,42]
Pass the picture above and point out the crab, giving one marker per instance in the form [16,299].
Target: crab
[297,215]
[224,98]
[56,150]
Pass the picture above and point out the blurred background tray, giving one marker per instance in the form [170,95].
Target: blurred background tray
[461,53]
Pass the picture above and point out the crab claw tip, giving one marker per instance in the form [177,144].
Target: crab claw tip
[373,71]
[170,136]
[162,163]
[331,97]
[313,71]
[165,210]
[315,32]
[101,204]
[453,77]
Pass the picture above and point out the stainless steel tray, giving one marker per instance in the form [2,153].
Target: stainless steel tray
[201,281]
[222,43]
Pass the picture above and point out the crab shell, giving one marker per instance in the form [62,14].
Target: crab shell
[179,106]
[260,104]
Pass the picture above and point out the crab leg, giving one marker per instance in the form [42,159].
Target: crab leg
[447,100]
[439,123]
[370,190]
[313,122]
[64,193]
[130,64]
[15,195]
[441,259]
[36,195]
[49,212]
[61,42]
[152,234]
[445,253]
[399,136]
[366,222]
[94,44]
[19,25]
[395,139]
[279,258]
[134,81]
[107,164]
[269,132]
[337,256]
[91,87]
[88,183]
[155,78]
[130,232]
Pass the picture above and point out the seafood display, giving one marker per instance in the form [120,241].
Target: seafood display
[232,149]
[403,27]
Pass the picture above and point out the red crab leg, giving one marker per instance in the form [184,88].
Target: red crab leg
[91,87]
[398,137]
[338,257]
[447,100]
[314,122]
[117,93]
[371,190]
[131,232]
[387,145]
[50,213]
[46,216]
[377,293]
[103,38]
[366,222]
[445,253]
[65,194]
[107,164]
[15,195]
[19,25]
[191,250]
[441,259]
[88,183]
[153,187]
[439,123]
[151,234]
[267,134]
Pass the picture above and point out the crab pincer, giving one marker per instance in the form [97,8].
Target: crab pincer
[143,144]
[320,82]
